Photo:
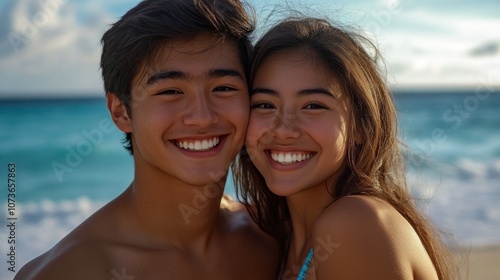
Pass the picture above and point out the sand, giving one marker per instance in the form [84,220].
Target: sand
[479,263]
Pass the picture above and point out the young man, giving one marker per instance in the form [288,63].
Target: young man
[175,78]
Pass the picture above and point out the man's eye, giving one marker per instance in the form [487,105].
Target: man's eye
[169,92]
[224,88]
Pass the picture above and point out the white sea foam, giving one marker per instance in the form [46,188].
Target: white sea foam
[464,206]
[40,225]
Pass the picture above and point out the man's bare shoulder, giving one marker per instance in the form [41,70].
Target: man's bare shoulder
[239,218]
[81,254]
[261,249]
[69,259]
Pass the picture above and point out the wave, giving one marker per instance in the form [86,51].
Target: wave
[464,168]
[40,225]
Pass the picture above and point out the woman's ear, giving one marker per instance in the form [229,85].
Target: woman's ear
[118,112]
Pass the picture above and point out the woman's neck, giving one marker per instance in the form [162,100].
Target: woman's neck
[305,208]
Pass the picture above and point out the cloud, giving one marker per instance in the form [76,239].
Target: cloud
[486,49]
[51,47]
[426,61]
[424,48]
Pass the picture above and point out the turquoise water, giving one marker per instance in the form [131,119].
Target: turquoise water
[70,161]
[68,148]
[63,149]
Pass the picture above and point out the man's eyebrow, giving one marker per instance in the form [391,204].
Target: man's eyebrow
[303,92]
[166,75]
[179,75]
[219,73]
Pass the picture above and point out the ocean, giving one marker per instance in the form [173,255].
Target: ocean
[66,160]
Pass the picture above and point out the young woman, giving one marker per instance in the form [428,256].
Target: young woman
[322,163]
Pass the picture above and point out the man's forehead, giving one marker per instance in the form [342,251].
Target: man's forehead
[190,58]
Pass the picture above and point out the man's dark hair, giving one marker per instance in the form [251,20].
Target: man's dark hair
[134,40]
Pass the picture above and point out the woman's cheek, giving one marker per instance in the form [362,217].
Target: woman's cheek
[255,133]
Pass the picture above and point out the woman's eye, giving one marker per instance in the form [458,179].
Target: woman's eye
[262,105]
[314,106]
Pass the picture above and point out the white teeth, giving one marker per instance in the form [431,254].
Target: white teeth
[281,158]
[204,144]
[289,158]
[199,145]
[274,156]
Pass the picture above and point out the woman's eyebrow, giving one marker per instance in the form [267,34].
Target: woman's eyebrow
[310,91]
[302,92]
[264,91]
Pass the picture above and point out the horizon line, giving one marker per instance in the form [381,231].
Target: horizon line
[94,95]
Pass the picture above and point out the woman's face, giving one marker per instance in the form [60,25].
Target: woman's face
[298,122]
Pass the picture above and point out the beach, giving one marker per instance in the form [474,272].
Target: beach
[70,162]
[479,262]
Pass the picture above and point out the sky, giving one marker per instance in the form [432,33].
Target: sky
[51,48]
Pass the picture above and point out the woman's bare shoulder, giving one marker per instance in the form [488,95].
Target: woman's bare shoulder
[372,240]
[360,212]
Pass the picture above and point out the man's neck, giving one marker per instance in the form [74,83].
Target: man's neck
[173,211]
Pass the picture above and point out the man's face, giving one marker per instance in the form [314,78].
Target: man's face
[190,110]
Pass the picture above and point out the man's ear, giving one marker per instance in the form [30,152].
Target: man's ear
[118,112]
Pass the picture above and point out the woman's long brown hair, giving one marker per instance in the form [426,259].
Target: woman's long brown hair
[375,165]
